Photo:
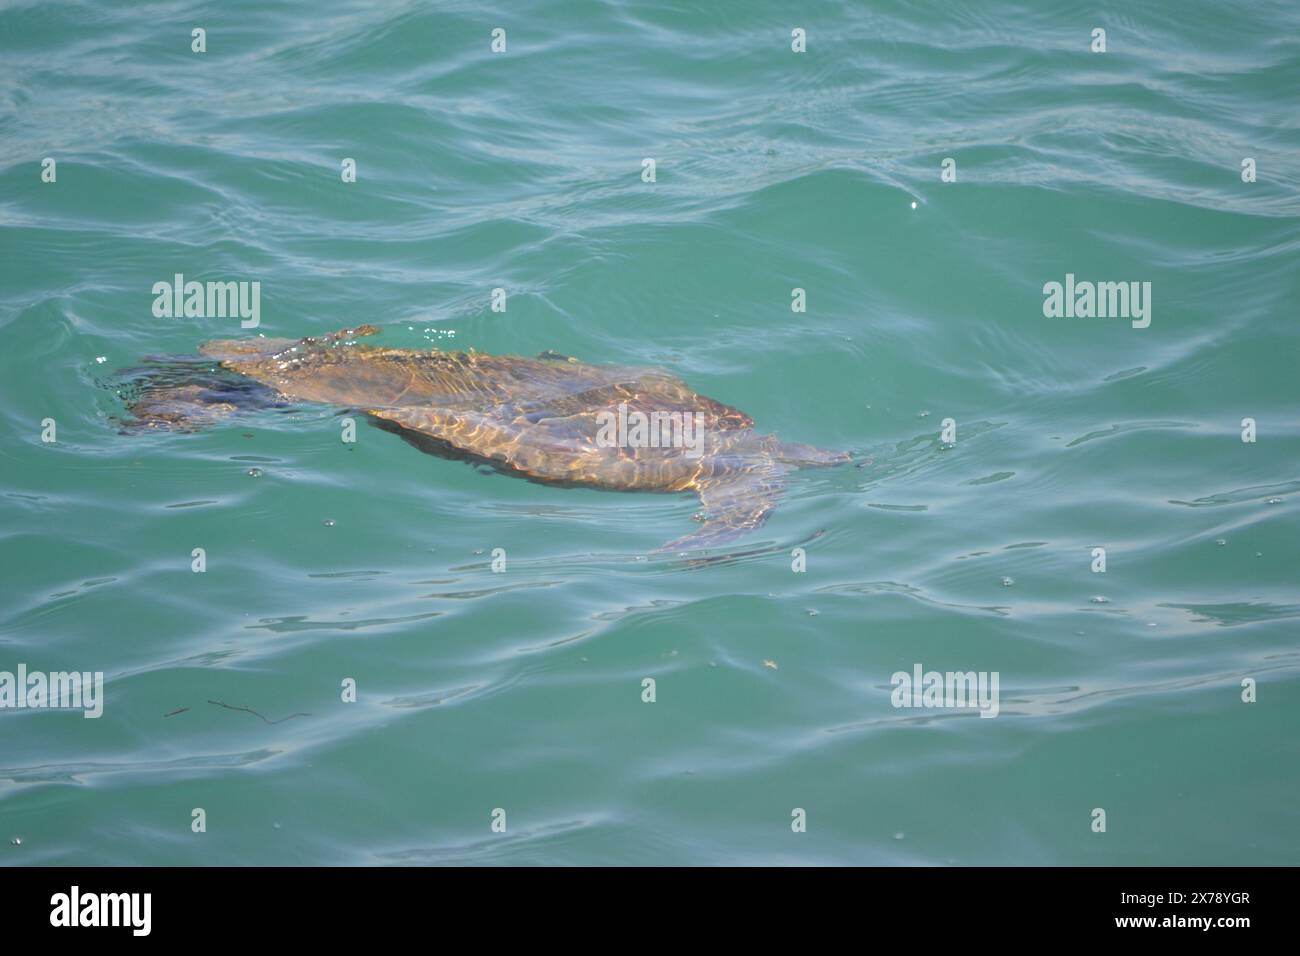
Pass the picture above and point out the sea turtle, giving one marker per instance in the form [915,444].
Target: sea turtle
[551,419]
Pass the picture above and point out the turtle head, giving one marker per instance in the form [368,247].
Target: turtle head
[803,456]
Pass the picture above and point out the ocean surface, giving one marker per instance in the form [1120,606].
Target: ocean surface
[995,447]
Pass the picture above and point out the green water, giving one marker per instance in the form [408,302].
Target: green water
[775,170]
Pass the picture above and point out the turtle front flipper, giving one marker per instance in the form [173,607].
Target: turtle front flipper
[733,506]
[499,435]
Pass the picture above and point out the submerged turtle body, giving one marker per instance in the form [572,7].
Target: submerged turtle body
[547,418]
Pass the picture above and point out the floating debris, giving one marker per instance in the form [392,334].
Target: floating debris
[249,710]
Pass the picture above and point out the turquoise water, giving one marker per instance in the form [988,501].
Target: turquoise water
[775,170]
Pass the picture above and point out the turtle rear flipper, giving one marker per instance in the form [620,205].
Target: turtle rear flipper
[734,505]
